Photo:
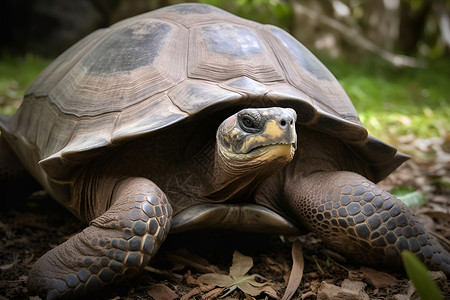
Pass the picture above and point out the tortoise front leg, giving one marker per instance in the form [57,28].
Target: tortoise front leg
[359,219]
[116,245]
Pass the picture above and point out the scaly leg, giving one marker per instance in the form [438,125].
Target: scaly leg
[359,219]
[116,245]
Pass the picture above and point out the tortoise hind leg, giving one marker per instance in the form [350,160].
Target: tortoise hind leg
[359,219]
[116,245]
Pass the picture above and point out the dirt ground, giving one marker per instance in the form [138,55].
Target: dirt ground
[30,226]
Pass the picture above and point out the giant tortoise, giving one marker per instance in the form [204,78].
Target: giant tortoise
[189,117]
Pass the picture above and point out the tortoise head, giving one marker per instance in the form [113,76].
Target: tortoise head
[257,137]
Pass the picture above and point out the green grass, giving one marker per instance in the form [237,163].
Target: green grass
[16,73]
[391,102]
[395,102]
[418,274]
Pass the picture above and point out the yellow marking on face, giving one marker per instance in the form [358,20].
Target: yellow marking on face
[273,130]
[234,132]
[271,133]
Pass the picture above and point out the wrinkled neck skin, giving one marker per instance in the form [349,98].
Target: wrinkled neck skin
[235,174]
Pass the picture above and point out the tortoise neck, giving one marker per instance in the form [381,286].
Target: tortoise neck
[232,177]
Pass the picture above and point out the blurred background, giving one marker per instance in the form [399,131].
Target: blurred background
[391,56]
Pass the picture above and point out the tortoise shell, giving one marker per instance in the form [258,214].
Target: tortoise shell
[151,71]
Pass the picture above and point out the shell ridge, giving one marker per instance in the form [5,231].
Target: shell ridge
[265,36]
[92,44]
[170,97]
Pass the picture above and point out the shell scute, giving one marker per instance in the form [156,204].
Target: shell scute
[246,85]
[127,49]
[147,116]
[192,96]
[211,54]
[124,68]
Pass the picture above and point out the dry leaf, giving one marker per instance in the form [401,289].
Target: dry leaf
[215,279]
[378,279]
[241,264]
[252,285]
[161,292]
[297,270]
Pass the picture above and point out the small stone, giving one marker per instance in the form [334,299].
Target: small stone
[350,290]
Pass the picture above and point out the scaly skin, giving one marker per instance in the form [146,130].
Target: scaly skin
[115,246]
[359,219]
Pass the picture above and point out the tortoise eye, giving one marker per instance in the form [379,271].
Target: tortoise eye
[250,123]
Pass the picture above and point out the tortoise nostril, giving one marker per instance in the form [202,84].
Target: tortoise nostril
[286,122]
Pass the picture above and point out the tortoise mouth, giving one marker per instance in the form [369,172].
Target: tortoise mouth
[280,148]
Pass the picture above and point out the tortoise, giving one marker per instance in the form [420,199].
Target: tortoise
[189,117]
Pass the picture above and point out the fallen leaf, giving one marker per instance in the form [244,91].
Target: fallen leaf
[378,279]
[252,285]
[297,270]
[409,196]
[249,288]
[161,292]
[215,279]
[241,264]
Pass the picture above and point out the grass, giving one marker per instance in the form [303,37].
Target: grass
[16,73]
[396,102]
[391,102]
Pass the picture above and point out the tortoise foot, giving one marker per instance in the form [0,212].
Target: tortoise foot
[357,218]
[116,245]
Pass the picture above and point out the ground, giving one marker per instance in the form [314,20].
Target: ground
[31,226]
